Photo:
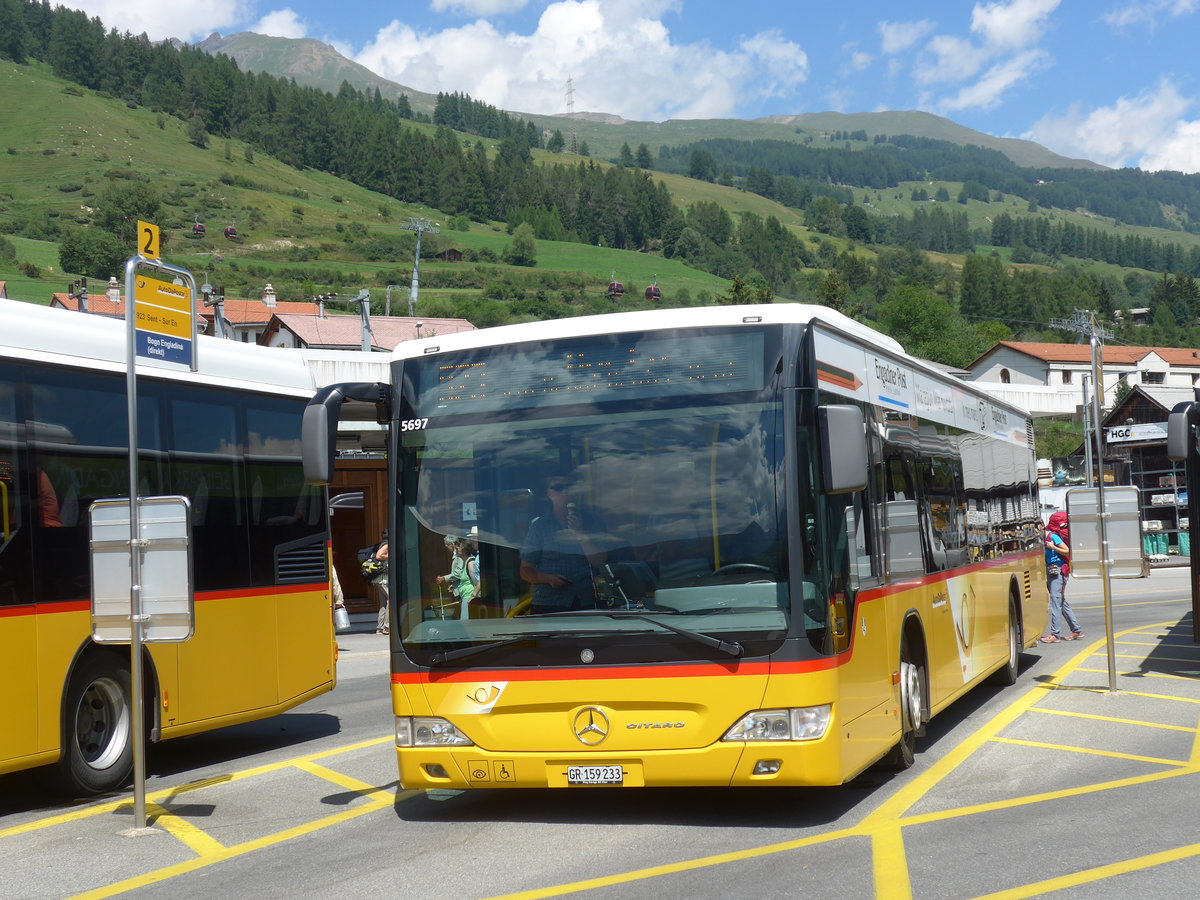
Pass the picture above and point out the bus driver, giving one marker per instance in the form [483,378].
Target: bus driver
[559,554]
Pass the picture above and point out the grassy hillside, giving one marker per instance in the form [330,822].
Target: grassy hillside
[65,144]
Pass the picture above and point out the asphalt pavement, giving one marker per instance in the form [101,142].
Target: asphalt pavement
[1065,788]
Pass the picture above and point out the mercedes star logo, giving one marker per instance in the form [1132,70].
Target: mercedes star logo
[590,725]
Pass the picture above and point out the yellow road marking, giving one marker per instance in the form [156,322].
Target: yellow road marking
[198,841]
[1160,697]
[1089,876]
[1078,715]
[210,851]
[891,864]
[113,805]
[225,853]
[1129,603]
[1045,797]
[884,826]
[682,866]
[1158,659]
[1195,758]
[1141,674]
[1070,748]
[338,778]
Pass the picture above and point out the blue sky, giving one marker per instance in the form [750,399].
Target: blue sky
[1114,81]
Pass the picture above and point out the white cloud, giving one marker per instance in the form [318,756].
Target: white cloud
[188,20]
[1180,152]
[478,7]
[1149,11]
[860,60]
[986,93]
[976,72]
[1147,130]
[621,58]
[281,23]
[1012,25]
[948,58]
[896,37]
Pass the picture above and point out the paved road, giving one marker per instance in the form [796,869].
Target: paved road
[1054,786]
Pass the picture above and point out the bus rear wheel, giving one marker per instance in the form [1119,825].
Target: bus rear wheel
[97,752]
[912,693]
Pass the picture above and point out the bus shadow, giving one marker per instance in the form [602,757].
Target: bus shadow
[971,703]
[237,742]
[1177,653]
[38,789]
[789,808]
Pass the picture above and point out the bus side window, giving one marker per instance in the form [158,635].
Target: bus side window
[861,561]
[902,543]
[10,474]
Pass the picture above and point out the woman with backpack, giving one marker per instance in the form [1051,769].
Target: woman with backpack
[1058,568]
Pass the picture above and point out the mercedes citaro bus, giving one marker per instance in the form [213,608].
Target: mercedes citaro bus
[740,545]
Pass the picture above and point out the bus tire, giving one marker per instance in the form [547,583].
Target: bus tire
[97,744]
[912,695]
[1006,675]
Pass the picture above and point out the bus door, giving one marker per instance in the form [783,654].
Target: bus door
[842,561]
[18,623]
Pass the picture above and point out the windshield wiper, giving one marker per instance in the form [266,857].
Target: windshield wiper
[463,652]
[733,648]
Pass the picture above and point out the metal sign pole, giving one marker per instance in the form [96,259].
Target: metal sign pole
[137,618]
[136,707]
[1105,555]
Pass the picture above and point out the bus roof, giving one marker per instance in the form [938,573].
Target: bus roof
[45,334]
[647,320]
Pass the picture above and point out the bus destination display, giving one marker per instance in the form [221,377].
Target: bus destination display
[593,370]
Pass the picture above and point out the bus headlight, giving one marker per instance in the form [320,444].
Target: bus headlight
[801,723]
[429,731]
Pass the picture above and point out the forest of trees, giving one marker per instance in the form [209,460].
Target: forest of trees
[1158,199]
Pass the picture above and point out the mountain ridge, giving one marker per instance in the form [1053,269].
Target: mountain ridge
[314,63]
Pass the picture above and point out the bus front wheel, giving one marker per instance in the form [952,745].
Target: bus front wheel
[912,693]
[97,752]
[1007,674]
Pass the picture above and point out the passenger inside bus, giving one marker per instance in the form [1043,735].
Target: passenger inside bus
[47,502]
[559,552]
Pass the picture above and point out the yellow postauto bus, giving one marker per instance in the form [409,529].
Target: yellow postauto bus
[746,545]
[228,438]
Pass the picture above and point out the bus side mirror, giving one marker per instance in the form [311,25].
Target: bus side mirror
[843,439]
[318,427]
[1179,437]
[318,438]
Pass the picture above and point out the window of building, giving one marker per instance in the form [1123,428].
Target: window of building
[1152,377]
[1067,373]
[1004,376]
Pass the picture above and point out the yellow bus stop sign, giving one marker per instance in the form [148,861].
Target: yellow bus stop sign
[147,242]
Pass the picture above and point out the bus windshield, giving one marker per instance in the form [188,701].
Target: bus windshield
[652,515]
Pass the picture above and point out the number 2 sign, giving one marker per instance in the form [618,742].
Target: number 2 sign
[147,242]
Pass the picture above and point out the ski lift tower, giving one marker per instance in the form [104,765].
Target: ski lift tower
[420,226]
[573,141]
